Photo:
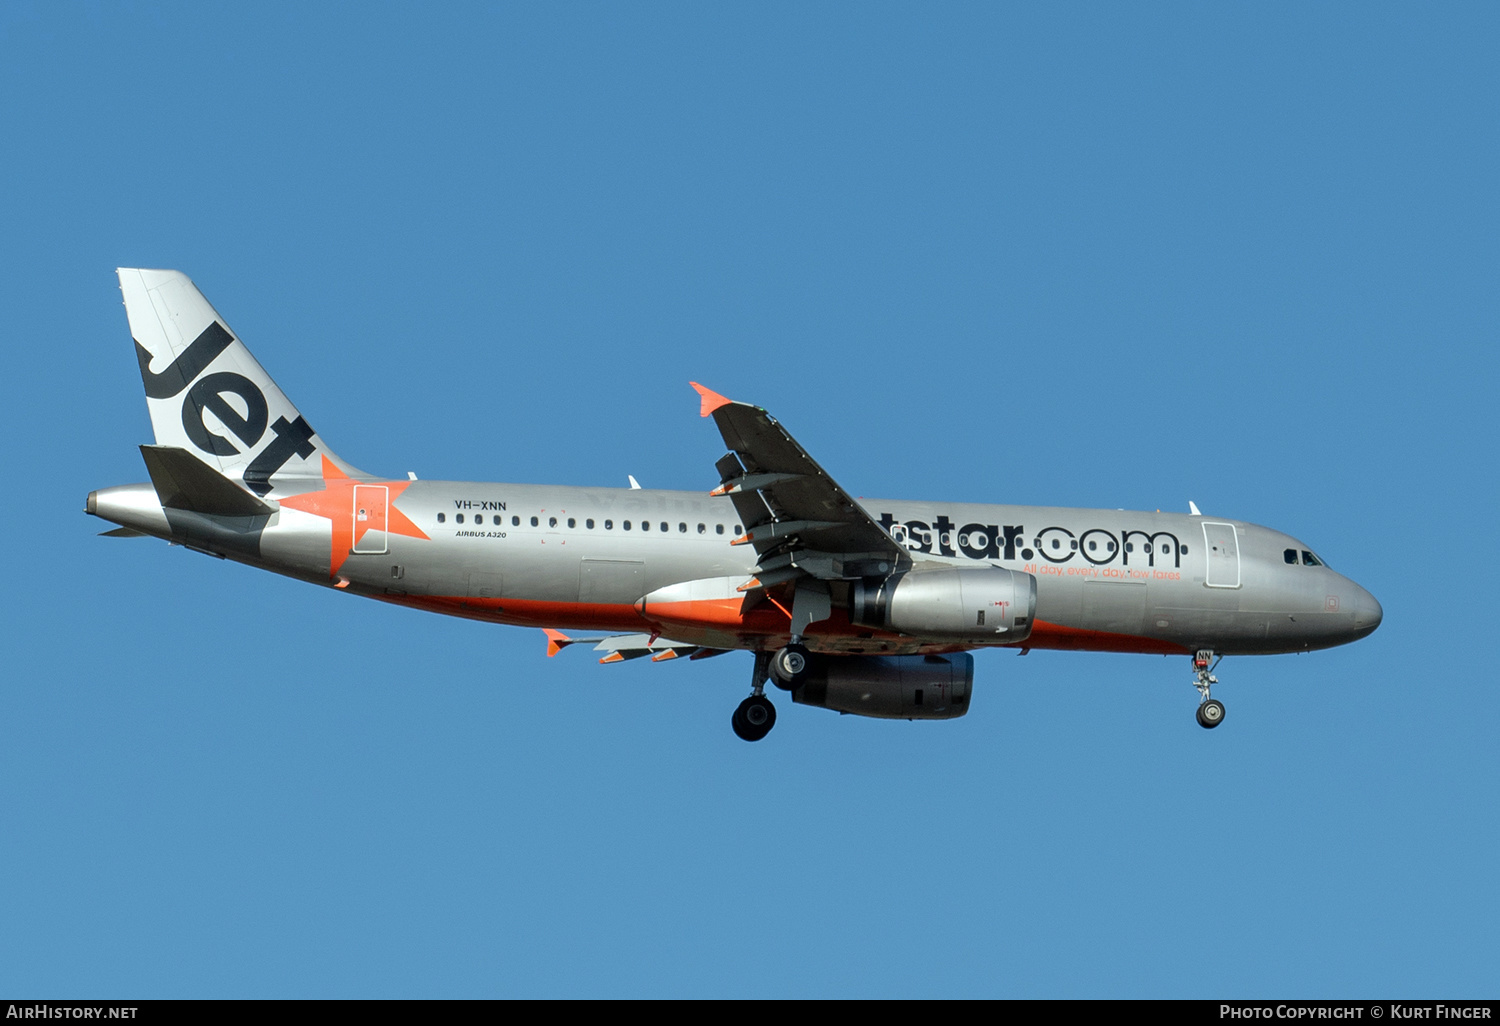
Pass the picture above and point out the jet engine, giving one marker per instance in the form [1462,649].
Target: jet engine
[975,604]
[932,687]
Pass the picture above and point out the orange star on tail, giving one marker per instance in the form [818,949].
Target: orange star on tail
[336,503]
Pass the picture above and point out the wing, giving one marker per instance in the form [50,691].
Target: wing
[796,516]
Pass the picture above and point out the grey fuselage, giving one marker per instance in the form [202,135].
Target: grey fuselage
[542,556]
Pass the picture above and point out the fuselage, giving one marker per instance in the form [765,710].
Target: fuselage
[662,562]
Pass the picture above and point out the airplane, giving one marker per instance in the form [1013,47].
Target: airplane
[862,606]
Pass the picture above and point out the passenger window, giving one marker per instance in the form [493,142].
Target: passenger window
[609,525]
[718,529]
[533,521]
[626,525]
[682,528]
[515,521]
[702,528]
[442,518]
[1290,555]
[1184,550]
[459,518]
[664,525]
[1130,546]
[589,523]
[551,521]
[737,530]
[572,522]
[1166,550]
[645,525]
[1093,546]
[1308,559]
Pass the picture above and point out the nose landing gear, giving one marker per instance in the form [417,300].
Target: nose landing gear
[1210,710]
[1210,713]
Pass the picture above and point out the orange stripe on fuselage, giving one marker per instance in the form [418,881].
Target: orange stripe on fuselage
[1079,639]
[762,621]
[585,616]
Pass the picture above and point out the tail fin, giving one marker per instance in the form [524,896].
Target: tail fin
[208,395]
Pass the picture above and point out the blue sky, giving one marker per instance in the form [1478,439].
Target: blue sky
[1093,255]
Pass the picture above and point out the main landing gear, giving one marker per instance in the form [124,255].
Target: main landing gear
[756,715]
[790,665]
[754,718]
[785,668]
[1210,710]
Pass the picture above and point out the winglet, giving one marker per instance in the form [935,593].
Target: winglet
[1193,509]
[556,640]
[711,400]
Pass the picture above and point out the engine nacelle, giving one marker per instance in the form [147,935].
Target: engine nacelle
[934,687]
[977,604]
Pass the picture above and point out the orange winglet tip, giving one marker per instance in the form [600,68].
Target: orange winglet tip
[711,400]
[743,539]
[753,582]
[555,641]
[721,490]
[342,582]
[613,657]
[670,653]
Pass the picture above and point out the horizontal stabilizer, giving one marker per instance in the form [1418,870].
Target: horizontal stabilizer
[124,532]
[183,481]
[620,647]
[557,641]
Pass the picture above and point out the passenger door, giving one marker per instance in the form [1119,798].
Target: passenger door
[1221,546]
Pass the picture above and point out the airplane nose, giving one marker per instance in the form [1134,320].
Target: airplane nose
[1367,611]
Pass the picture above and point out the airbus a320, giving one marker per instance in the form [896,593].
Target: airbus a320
[867,606]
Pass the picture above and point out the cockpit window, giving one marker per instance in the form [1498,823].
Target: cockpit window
[1290,555]
[1308,559]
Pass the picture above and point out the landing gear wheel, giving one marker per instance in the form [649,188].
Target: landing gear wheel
[789,666]
[1210,710]
[754,718]
[1211,714]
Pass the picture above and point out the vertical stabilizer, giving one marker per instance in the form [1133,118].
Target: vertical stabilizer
[208,395]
